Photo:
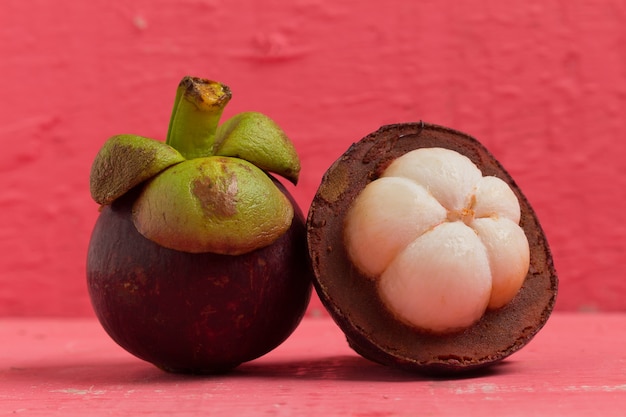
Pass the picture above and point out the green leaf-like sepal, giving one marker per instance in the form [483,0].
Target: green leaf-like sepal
[125,161]
[258,139]
[213,204]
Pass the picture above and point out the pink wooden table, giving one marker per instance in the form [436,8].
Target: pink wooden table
[576,366]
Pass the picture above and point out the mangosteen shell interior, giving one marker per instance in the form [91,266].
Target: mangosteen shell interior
[351,298]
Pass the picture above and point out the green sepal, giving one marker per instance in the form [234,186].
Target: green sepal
[258,139]
[213,204]
[125,161]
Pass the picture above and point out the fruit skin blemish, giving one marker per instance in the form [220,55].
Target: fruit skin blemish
[426,252]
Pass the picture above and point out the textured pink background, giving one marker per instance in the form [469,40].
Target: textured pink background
[541,83]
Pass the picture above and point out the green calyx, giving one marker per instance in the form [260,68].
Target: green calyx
[230,207]
[126,161]
[206,188]
[258,139]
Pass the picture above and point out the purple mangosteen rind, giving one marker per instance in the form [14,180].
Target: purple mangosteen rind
[195,313]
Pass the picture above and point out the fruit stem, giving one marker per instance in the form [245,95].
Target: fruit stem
[195,116]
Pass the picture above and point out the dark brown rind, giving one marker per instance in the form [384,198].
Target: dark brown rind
[352,299]
[195,313]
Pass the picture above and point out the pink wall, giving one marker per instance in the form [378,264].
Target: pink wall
[542,83]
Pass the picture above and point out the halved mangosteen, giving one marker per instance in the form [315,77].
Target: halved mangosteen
[427,254]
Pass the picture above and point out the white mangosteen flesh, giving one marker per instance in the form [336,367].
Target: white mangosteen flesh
[442,242]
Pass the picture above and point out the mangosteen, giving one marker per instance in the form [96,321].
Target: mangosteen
[198,260]
[426,253]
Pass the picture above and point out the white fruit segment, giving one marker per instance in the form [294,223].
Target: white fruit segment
[509,257]
[442,241]
[430,282]
[377,233]
[494,198]
[449,176]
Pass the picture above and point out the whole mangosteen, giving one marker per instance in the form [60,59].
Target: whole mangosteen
[198,259]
